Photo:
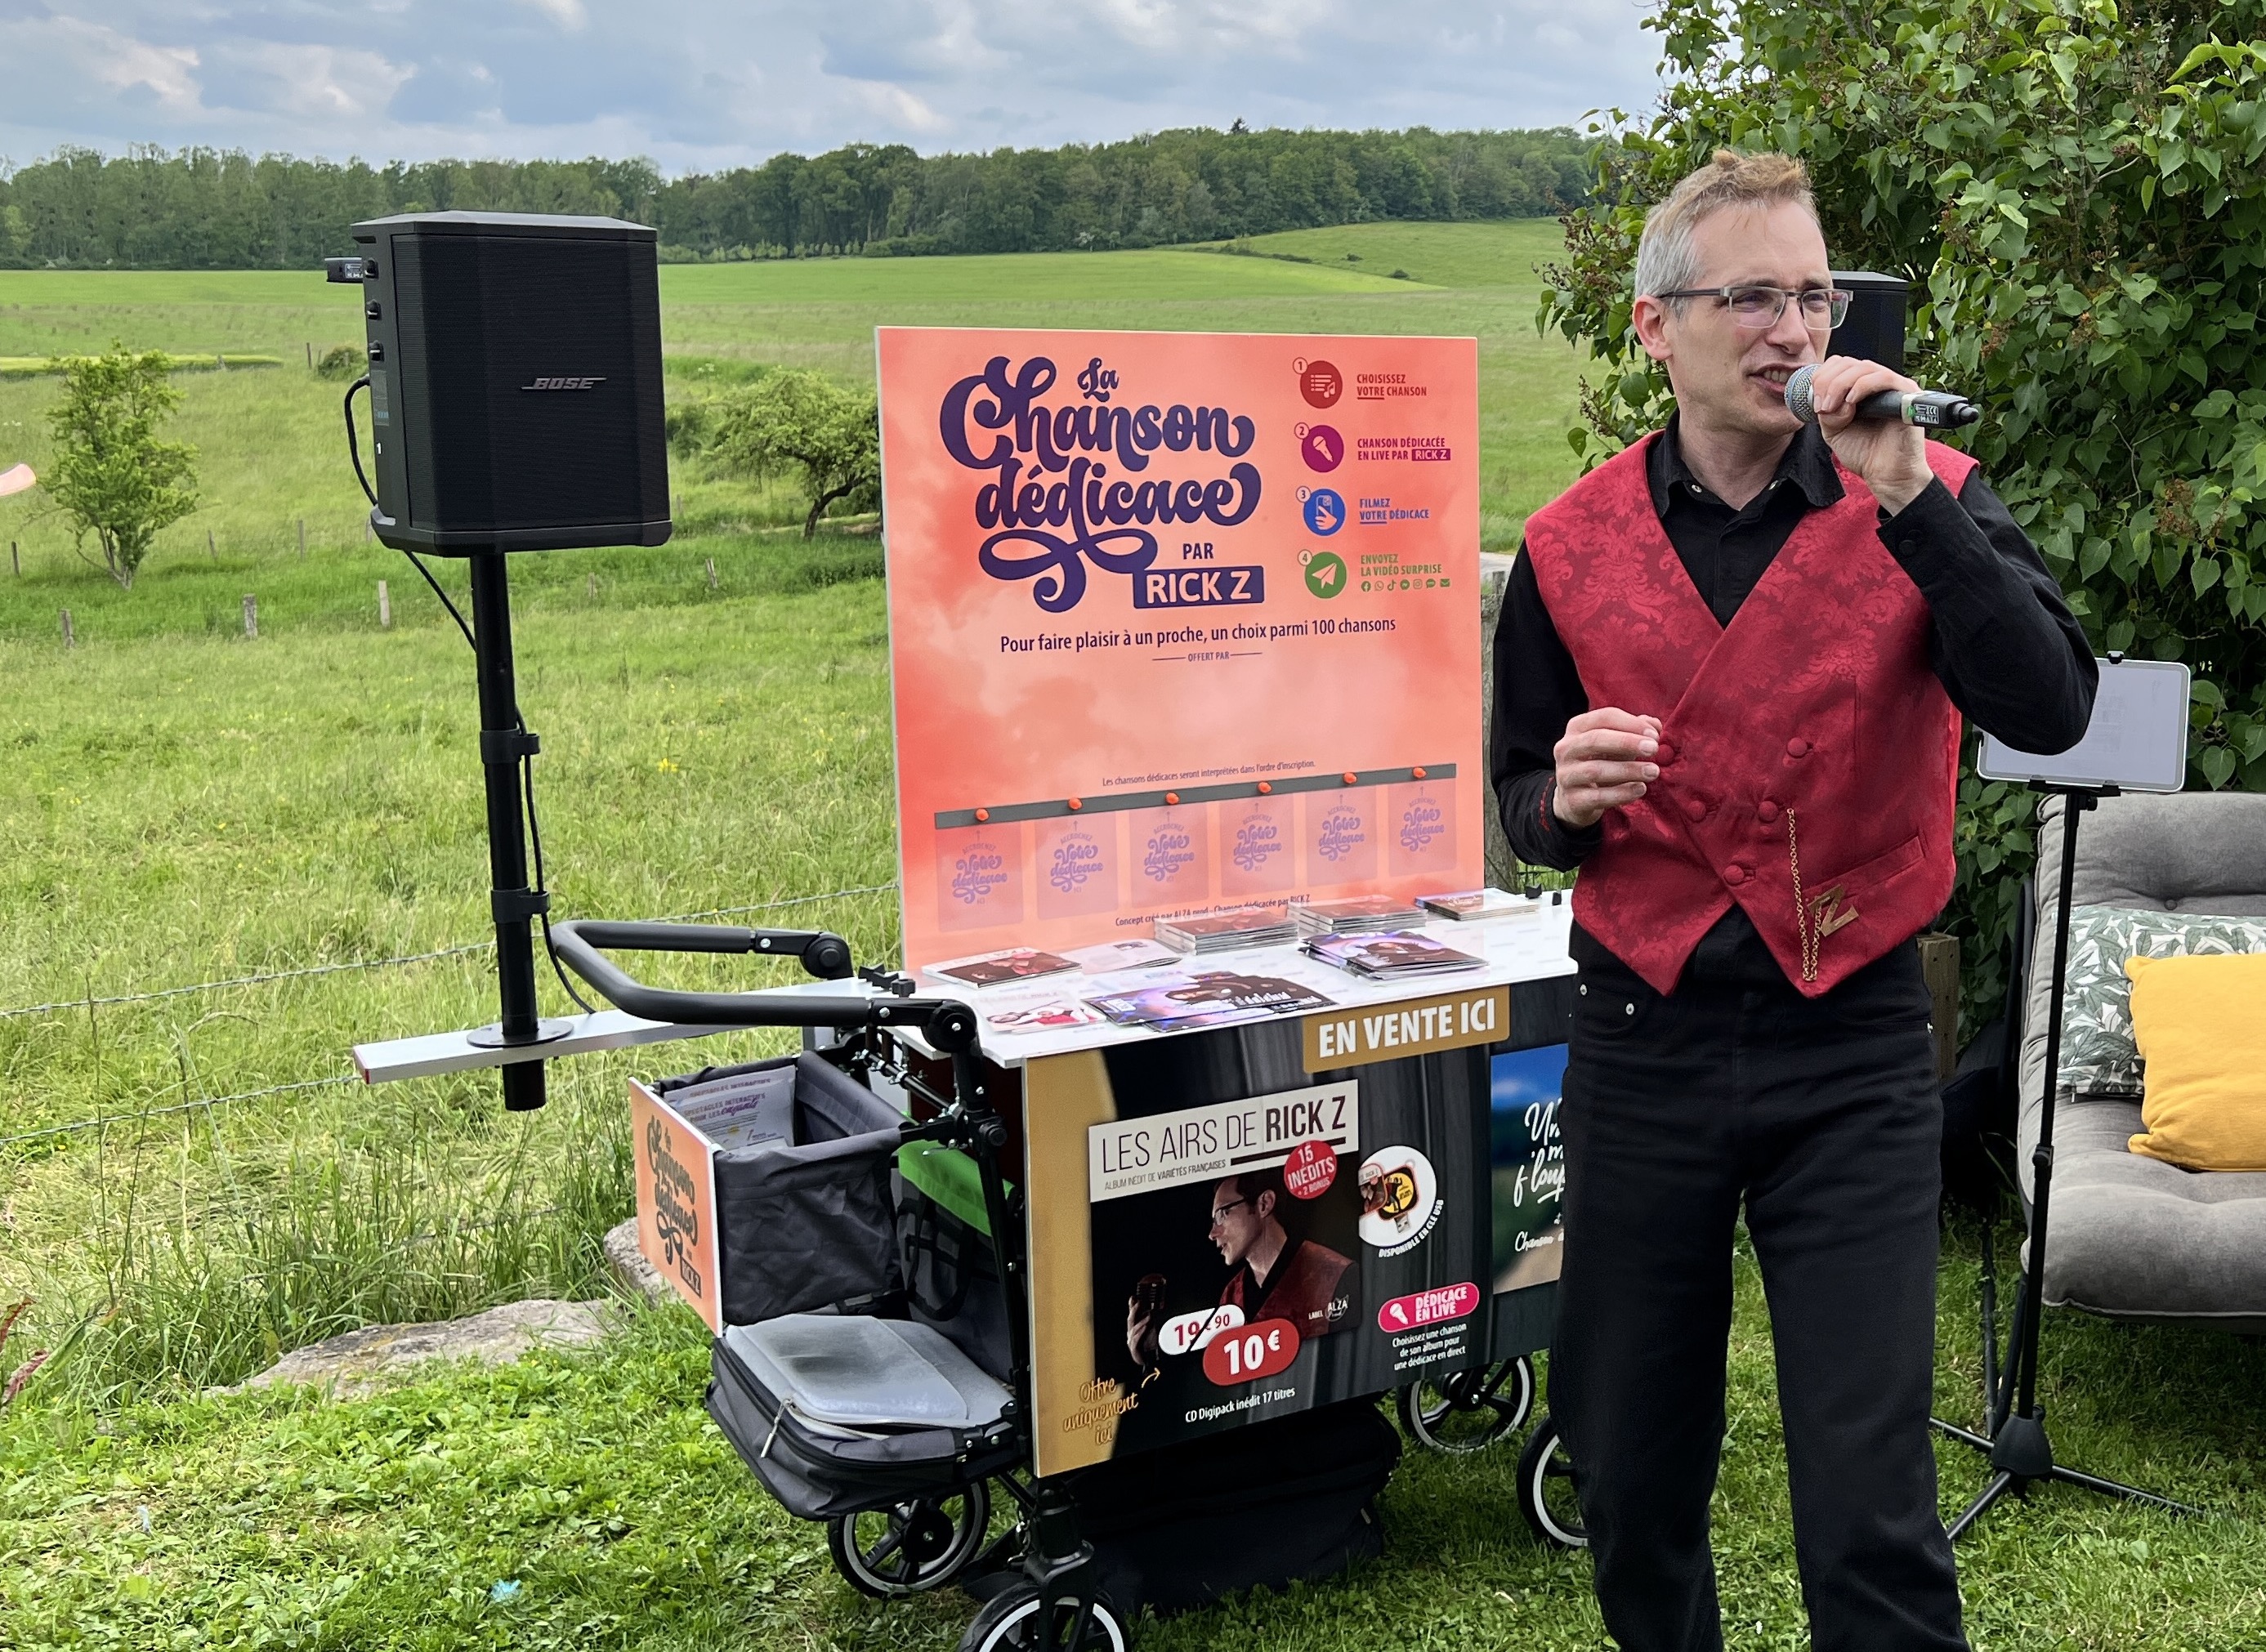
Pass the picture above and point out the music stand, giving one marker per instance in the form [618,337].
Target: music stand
[2137,741]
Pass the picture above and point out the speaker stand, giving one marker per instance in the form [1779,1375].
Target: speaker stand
[505,745]
[2019,1449]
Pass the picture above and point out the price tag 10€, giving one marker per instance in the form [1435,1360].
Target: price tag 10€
[1185,1333]
[1251,1351]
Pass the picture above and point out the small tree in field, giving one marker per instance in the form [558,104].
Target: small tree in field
[797,418]
[112,476]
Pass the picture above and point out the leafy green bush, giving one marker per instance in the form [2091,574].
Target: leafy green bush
[2078,191]
[112,476]
[799,419]
[341,362]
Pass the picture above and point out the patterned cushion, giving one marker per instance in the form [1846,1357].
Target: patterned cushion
[2098,1057]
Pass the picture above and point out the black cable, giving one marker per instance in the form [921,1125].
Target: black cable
[353,440]
[418,563]
[353,451]
[542,884]
[526,762]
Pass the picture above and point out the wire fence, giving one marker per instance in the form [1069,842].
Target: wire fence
[90,1002]
[182,1107]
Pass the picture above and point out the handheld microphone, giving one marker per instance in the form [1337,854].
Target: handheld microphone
[1933,409]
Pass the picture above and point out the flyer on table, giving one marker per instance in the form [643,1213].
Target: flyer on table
[1179,622]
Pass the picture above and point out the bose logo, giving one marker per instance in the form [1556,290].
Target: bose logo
[563,383]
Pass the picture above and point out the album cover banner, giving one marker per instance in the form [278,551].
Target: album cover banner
[1178,621]
[1219,1236]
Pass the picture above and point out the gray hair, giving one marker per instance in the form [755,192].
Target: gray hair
[1665,257]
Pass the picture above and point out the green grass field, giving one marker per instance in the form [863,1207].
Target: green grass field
[272,441]
[179,804]
[595,1485]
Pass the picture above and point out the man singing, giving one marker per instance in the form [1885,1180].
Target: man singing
[1730,674]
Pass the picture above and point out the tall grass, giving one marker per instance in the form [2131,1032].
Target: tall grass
[217,1257]
[181,808]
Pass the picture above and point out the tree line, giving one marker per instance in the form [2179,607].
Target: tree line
[204,208]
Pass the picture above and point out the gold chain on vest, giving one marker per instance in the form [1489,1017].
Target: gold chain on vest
[1803,927]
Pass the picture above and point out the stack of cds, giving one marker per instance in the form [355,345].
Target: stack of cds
[1364,914]
[1228,932]
[1003,968]
[1389,957]
[1477,906]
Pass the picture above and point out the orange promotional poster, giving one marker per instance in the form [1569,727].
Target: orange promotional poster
[1179,623]
[676,1183]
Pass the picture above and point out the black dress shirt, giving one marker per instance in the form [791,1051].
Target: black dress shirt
[2003,643]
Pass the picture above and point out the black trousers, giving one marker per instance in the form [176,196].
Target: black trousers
[1822,1117]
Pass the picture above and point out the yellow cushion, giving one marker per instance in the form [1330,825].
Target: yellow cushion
[2200,1023]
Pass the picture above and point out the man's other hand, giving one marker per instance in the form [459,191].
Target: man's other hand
[1603,761]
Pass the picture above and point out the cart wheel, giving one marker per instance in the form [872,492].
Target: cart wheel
[1546,1489]
[909,1547]
[1468,1410]
[1009,1622]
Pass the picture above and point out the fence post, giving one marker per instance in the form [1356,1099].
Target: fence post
[365,530]
[212,550]
[303,538]
[16,558]
[711,574]
[310,355]
[251,615]
[70,641]
[593,588]
[384,608]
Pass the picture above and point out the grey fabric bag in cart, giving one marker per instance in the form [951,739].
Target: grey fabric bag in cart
[866,1376]
[809,1224]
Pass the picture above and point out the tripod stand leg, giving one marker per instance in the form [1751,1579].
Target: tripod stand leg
[1965,1437]
[2116,1488]
[1999,1485]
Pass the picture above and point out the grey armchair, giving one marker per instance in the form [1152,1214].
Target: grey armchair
[2132,1237]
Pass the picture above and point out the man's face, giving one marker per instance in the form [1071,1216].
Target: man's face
[1727,378]
[1236,1221]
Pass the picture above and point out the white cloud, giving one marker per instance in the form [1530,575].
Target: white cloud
[319,81]
[568,14]
[124,63]
[703,83]
[900,107]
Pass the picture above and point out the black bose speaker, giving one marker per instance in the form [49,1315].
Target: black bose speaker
[1874,326]
[514,379]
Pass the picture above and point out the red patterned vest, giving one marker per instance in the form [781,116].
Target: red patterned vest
[1808,756]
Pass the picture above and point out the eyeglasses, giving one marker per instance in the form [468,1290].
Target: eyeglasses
[1822,308]
[1219,1211]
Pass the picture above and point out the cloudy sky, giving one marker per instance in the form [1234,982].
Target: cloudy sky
[701,84]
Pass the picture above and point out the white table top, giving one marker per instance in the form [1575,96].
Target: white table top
[1525,946]
[1521,947]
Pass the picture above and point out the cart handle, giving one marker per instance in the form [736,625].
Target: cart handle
[947,1024]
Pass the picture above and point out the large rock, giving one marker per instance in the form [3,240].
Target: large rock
[631,1271]
[358,1362]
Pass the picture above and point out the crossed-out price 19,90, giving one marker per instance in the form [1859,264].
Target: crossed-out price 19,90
[1257,1351]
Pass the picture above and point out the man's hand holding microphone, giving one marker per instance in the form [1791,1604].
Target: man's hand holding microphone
[1876,420]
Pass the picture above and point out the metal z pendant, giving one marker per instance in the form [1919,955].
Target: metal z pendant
[1827,914]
